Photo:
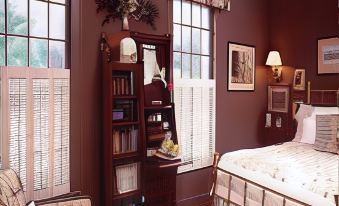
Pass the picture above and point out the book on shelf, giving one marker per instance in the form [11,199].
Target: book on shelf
[126,178]
[125,140]
[122,84]
[123,110]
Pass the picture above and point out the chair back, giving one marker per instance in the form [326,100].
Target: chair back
[11,190]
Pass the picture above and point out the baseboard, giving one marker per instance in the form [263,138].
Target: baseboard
[198,200]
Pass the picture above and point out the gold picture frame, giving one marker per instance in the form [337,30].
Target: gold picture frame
[328,55]
[299,80]
[278,98]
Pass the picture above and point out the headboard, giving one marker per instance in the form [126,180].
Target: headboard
[325,98]
[322,97]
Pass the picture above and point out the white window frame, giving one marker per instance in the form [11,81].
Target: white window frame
[195,103]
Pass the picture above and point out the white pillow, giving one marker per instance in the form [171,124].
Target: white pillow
[303,112]
[309,124]
[309,130]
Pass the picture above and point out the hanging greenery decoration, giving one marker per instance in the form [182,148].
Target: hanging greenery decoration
[140,10]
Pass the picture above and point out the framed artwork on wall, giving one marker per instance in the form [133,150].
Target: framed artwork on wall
[241,67]
[278,98]
[328,55]
[299,79]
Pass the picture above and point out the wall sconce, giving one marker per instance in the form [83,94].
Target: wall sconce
[274,60]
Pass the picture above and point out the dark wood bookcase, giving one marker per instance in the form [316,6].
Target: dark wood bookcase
[136,118]
[123,139]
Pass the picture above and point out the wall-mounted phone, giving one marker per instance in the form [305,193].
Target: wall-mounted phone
[268,120]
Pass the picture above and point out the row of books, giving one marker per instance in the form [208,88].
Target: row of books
[125,140]
[122,85]
[123,110]
[126,178]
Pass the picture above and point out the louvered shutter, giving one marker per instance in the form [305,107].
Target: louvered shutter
[35,128]
[61,131]
[41,133]
[195,119]
[18,127]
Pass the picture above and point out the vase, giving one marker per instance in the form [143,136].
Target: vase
[125,26]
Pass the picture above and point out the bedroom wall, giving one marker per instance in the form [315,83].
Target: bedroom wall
[295,27]
[239,120]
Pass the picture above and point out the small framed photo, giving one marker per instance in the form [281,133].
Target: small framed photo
[299,79]
[328,55]
[278,98]
[241,67]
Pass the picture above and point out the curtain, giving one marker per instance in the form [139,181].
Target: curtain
[220,4]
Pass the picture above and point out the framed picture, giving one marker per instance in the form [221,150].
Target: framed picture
[241,67]
[299,79]
[328,56]
[278,98]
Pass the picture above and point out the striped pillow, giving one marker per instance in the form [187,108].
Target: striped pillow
[327,133]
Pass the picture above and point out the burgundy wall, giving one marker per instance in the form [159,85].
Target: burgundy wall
[240,115]
[86,91]
[295,27]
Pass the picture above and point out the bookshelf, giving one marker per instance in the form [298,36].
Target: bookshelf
[136,117]
[122,132]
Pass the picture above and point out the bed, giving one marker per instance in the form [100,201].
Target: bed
[288,174]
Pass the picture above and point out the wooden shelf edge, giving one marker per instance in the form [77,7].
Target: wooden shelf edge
[117,124]
[124,97]
[125,155]
[126,194]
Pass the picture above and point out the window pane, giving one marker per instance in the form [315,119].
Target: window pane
[2,16]
[205,68]
[186,12]
[177,64]
[196,15]
[38,19]
[176,37]
[205,42]
[17,51]
[195,67]
[56,54]
[205,16]
[177,11]
[196,41]
[59,1]
[2,50]
[38,53]
[186,39]
[17,16]
[57,21]
[186,66]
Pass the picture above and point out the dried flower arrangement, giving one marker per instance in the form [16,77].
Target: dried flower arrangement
[140,10]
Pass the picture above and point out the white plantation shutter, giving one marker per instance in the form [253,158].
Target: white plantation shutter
[35,129]
[195,119]
[61,131]
[18,127]
[41,132]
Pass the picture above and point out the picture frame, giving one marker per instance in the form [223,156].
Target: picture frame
[328,55]
[241,67]
[278,98]
[299,80]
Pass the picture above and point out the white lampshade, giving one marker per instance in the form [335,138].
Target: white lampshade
[273,59]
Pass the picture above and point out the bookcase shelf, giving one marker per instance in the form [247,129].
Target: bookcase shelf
[124,99]
[125,155]
[122,132]
[120,124]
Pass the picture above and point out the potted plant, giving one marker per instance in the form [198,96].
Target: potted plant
[139,10]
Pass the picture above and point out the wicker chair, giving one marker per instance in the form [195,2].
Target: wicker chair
[11,194]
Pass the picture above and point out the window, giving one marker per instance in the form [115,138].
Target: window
[34,90]
[194,86]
